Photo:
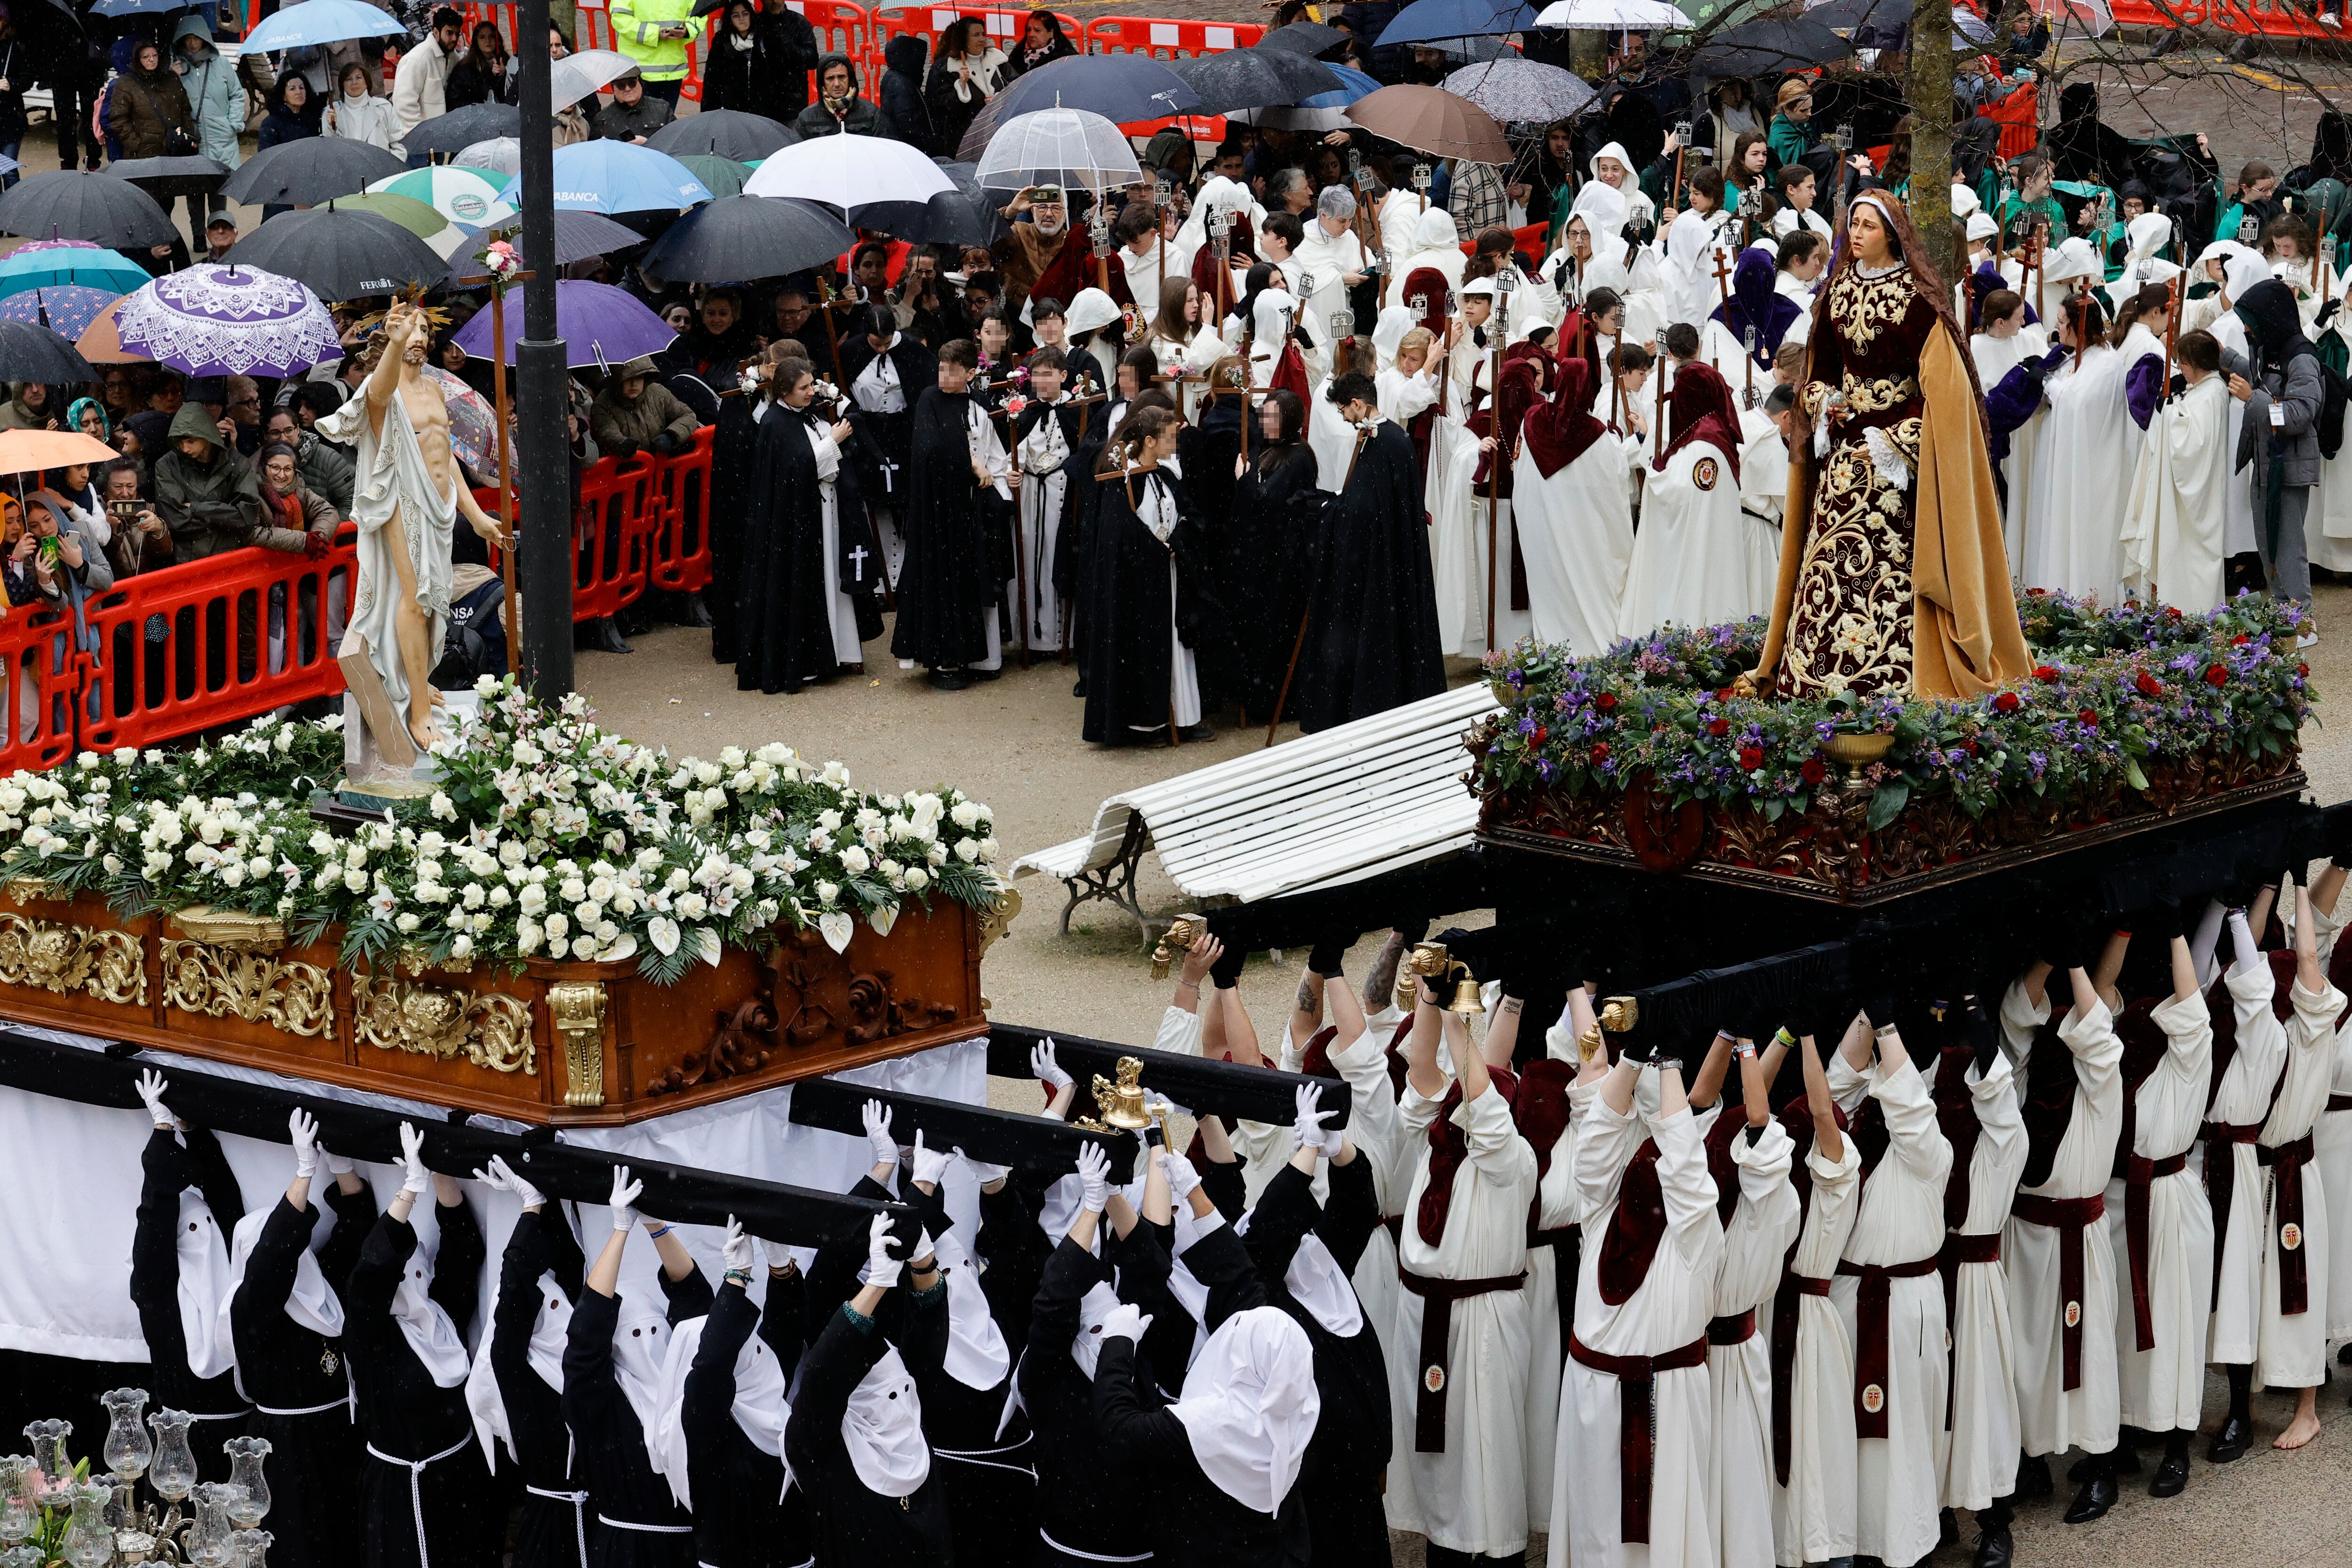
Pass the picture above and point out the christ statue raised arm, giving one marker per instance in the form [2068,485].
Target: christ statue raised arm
[407,498]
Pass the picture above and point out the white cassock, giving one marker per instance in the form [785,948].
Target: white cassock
[1900,1226]
[2179,502]
[2292,1348]
[2075,541]
[1557,1207]
[1457,531]
[1435,243]
[1995,358]
[1763,468]
[2331,1140]
[1576,538]
[1400,217]
[1373,1124]
[1730,359]
[1755,1238]
[1332,440]
[1145,270]
[841,611]
[1694,246]
[1981,1460]
[1402,398]
[1698,560]
[2242,1099]
[1786,220]
[1791,286]
[1045,457]
[1472,1497]
[1328,261]
[1813,1495]
[1665,1314]
[2162,1387]
[2053,1417]
[2238,526]
[987,451]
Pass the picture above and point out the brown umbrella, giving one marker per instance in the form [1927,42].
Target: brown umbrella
[101,344]
[1433,121]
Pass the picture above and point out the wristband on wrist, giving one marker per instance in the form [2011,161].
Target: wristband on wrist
[1745,1050]
[655,1232]
[740,1276]
[1784,1039]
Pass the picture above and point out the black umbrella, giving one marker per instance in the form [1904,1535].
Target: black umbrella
[165,178]
[1303,37]
[314,169]
[28,353]
[737,237]
[1760,49]
[63,204]
[723,134]
[1254,78]
[340,255]
[578,235]
[1845,15]
[461,128]
[951,217]
[1119,88]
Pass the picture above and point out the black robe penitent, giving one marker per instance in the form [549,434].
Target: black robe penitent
[880,448]
[1052,522]
[783,615]
[730,481]
[944,594]
[1130,654]
[1262,559]
[1371,616]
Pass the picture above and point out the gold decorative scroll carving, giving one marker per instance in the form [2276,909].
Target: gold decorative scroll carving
[577,1009]
[491,1030]
[218,980]
[109,964]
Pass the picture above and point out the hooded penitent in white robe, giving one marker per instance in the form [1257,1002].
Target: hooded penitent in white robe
[1638,207]
[1472,1497]
[1899,1476]
[1329,259]
[1457,535]
[1981,1460]
[1755,1238]
[1217,194]
[1576,540]
[1698,559]
[2179,502]
[1435,243]
[1812,1496]
[1694,246]
[2074,537]
[2053,1417]
[2331,1139]
[1763,468]
[1665,1312]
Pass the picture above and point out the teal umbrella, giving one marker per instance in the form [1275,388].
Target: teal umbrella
[50,264]
[723,175]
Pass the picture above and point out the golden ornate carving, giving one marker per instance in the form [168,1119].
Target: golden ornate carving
[109,964]
[577,1009]
[227,928]
[997,919]
[492,1029]
[217,979]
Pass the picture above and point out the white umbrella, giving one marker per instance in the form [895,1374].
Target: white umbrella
[849,172]
[501,155]
[1059,147]
[1611,13]
[576,76]
[2092,16]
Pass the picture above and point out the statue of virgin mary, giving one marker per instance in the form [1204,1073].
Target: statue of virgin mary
[1892,575]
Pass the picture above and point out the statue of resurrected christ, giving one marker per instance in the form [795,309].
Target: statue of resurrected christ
[405,500]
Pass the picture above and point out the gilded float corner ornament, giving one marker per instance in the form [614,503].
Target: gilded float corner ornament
[218,980]
[490,1029]
[577,1009]
[227,928]
[109,964]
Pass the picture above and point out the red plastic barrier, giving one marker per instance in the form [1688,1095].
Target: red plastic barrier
[2266,18]
[1168,40]
[681,537]
[610,531]
[39,689]
[212,642]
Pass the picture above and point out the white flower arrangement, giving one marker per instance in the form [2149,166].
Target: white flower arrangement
[546,837]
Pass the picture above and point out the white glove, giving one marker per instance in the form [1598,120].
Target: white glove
[305,1130]
[501,1176]
[740,1251]
[986,1174]
[877,1132]
[1043,1065]
[925,1254]
[1307,1127]
[779,1254]
[150,1090]
[1181,1177]
[1335,1141]
[1126,1322]
[412,1156]
[931,1164]
[1094,1178]
[336,1164]
[881,1267]
[624,1199]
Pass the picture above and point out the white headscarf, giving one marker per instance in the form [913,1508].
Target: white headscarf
[1090,312]
[977,1355]
[549,1330]
[1250,1405]
[1094,1310]
[1637,200]
[1317,1283]
[2071,258]
[1435,231]
[1273,314]
[1389,331]
[760,1409]
[205,1285]
[641,1338]
[425,1325]
[1602,208]
[2241,272]
[312,1303]
[883,1429]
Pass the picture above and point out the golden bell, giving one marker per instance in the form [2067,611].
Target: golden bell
[1160,959]
[1466,1000]
[1121,1103]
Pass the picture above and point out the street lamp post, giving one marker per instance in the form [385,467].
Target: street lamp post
[541,400]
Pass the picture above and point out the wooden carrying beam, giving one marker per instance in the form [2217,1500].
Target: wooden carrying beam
[1032,1144]
[1204,1088]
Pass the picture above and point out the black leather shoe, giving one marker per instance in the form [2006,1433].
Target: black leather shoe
[2344,1354]
[950,680]
[2127,1458]
[2080,1471]
[2034,1477]
[1994,1549]
[2172,1476]
[2092,1501]
[2231,1441]
[1947,1530]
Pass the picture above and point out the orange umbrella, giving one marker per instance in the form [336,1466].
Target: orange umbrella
[28,451]
[101,344]
[1427,120]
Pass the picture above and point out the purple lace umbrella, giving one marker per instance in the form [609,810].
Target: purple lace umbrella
[214,320]
[68,309]
[599,324]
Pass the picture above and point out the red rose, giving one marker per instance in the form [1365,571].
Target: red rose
[1543,734]
[1718,727]
[2173,611]
[2302,671]
[2215,675]
[1815,771]
[2005,703]
[2149,685]
[1725,695]
[1600,751]
[2088,720]
[1752,757]
[2046,672]
[2240,640]
[2035,593]
[1606,702]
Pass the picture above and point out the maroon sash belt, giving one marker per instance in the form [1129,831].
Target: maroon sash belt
[2340,1102]
[2286,1162]
[2140,1176]
[1635,1376]
[1958,1248]
[1736,1330]
[1870,1337]
[1784,1358]
[1558,1237]
[1437,1297]
[2069,1217]
[2221,1177]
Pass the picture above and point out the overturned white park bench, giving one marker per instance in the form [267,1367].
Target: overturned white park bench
[1317,812]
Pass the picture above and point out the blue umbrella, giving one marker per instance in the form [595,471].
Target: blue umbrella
[600,325]
[137,7]
[46,265]
[1323,111]
[320,22]
[611,177]
[68,309]
[1425,21]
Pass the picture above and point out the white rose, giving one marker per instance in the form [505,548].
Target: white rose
[407,923]
[827,891]
[500,898]
[966,850]
[534,899]
[917,879]
[355,879]
[693,906]
[588,913]
[988,848]
[855,859]
[558,923]
[528,936]
[557,947]
[966,814]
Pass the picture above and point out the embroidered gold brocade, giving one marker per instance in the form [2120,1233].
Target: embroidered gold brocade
[1850,620]
[1865,396]
[1862,307]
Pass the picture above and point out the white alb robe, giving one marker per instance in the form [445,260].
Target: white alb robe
[1739,1376]
[1814,1510]
[2162,1389]
[841,611]
[1699,560]
[1576,539]
[2292,1348]
[2242,1096]
[1044,456]
[2331,1139]
[2179,503]
[1995,358]
[2073,542]
[1980,1453]
[1694,246]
